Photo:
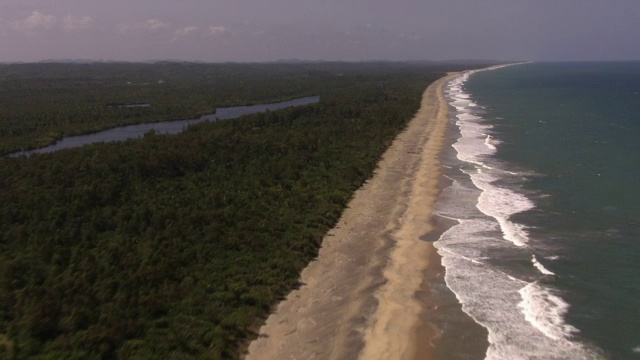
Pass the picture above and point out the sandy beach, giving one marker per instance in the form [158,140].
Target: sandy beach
[364,296]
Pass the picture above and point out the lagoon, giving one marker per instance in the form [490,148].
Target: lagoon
[166,127]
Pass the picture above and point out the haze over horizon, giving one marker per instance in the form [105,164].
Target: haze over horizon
[350,30]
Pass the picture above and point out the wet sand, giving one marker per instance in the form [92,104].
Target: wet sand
[364,296]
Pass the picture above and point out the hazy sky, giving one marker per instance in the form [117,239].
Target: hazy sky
[264,30]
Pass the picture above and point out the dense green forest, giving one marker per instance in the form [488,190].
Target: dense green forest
[176,246]
[41,103]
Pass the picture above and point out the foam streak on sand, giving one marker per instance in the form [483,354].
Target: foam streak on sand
[358,298]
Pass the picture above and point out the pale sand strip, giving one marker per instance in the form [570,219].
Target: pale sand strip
[392,332]
[359,295]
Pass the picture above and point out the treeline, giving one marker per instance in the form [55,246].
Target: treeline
[174,247]
[41,103]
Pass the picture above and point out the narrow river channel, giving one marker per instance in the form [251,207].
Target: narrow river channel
[165,127]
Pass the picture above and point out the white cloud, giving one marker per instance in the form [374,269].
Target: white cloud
[149,26]
[36,21]
[71,23]
[155,25]
[186,31]
[217,30]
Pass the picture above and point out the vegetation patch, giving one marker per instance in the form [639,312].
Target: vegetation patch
[173,246]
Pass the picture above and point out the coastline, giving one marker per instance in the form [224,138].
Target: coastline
[361,296]
[485,254]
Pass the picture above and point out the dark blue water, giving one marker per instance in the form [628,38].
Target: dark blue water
[546,193]
[165,127]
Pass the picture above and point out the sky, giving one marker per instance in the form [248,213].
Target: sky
[350,30]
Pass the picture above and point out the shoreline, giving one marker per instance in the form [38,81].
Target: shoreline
[522,312]
[361,296]
[400,308]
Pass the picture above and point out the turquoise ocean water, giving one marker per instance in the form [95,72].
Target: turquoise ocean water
[543,197]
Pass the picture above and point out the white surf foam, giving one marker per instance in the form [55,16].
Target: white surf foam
[540,267]
[501,203]
[524,320]
[490,143]
[470,146]
[460,202]
[545,311]
[461,256]
[474,146]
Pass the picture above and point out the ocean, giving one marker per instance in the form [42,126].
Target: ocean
[541,203]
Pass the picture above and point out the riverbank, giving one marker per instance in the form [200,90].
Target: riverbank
[359,297]
[135,131]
